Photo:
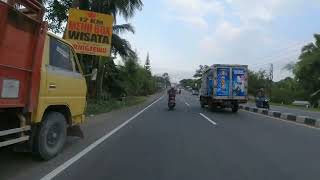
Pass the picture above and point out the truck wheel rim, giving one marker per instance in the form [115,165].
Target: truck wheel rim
[53,135]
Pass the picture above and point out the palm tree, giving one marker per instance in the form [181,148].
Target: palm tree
[120,45]
[57,15]
[311,47]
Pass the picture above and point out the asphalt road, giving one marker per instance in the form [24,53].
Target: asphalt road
[191,143]
[294,111]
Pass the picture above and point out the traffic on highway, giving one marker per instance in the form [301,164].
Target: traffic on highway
[160,90]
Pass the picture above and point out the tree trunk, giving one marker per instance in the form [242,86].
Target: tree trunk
[100,77]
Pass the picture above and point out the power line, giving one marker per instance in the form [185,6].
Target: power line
[295,45]
[277,60]
[284,51]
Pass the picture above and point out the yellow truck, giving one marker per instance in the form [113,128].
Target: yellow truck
[42,89]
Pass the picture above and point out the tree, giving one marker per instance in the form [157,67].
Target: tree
[166,78]
[257,80]
[56,15]
[306,71]
[200,71]
[288,90]
[188,82]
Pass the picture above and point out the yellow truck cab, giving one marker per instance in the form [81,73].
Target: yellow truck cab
[42,89]
[62,83]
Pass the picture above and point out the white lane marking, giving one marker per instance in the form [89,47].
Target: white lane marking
[68,163]
[212,122]
[187,104]
[286,121]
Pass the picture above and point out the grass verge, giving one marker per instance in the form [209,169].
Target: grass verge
[296,107]
[290,106]
[95,107]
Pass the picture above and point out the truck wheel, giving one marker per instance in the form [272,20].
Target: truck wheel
[202,104]
[51,136]
[235,107]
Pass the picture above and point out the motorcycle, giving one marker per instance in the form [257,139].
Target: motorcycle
[262,102]
[171,102]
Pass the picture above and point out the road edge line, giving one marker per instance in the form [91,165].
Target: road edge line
[287,117]
[82,153]
[282,120]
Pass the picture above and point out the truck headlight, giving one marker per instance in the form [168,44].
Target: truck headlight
[10,88]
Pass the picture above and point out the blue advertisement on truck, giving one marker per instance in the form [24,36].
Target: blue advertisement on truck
[239,80]
[223,80]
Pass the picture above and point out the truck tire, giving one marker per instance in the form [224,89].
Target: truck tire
[51,136]
[235,107]
[202,104]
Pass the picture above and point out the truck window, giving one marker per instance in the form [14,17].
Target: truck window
[60,55]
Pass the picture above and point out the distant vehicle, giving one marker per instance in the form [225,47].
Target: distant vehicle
[301,103]
[195,92]
[224,86]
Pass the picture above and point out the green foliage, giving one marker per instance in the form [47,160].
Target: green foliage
[131,79]
[57,9]
[257,80]
[103,106]
[193,83]
[200,71]
[285,91]
[307,77]
[166,79]
[57,15]
[307,70]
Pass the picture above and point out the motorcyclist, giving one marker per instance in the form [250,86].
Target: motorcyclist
[172,92]
[261,99]
[260,93]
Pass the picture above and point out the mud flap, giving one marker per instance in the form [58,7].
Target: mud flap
[75,131]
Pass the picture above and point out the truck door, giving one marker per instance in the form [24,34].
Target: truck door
[65,84]
[222,90]
[239,82]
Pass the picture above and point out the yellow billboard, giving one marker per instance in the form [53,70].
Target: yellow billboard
[89,32]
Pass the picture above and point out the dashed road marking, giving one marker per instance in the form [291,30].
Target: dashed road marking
[212,122]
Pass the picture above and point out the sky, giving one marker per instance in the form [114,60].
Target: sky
[180,35]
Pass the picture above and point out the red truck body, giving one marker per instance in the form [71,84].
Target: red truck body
[22,37]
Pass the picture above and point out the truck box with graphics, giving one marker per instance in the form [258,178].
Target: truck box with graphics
[224,86]
[42,90]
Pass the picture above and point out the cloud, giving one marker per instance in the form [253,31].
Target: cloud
[238,31]
[249,37]
[251,10]
[194,12]
[194,22]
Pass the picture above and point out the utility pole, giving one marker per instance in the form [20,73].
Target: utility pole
[270,79]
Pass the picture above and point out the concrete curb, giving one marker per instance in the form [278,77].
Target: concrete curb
[285,116]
